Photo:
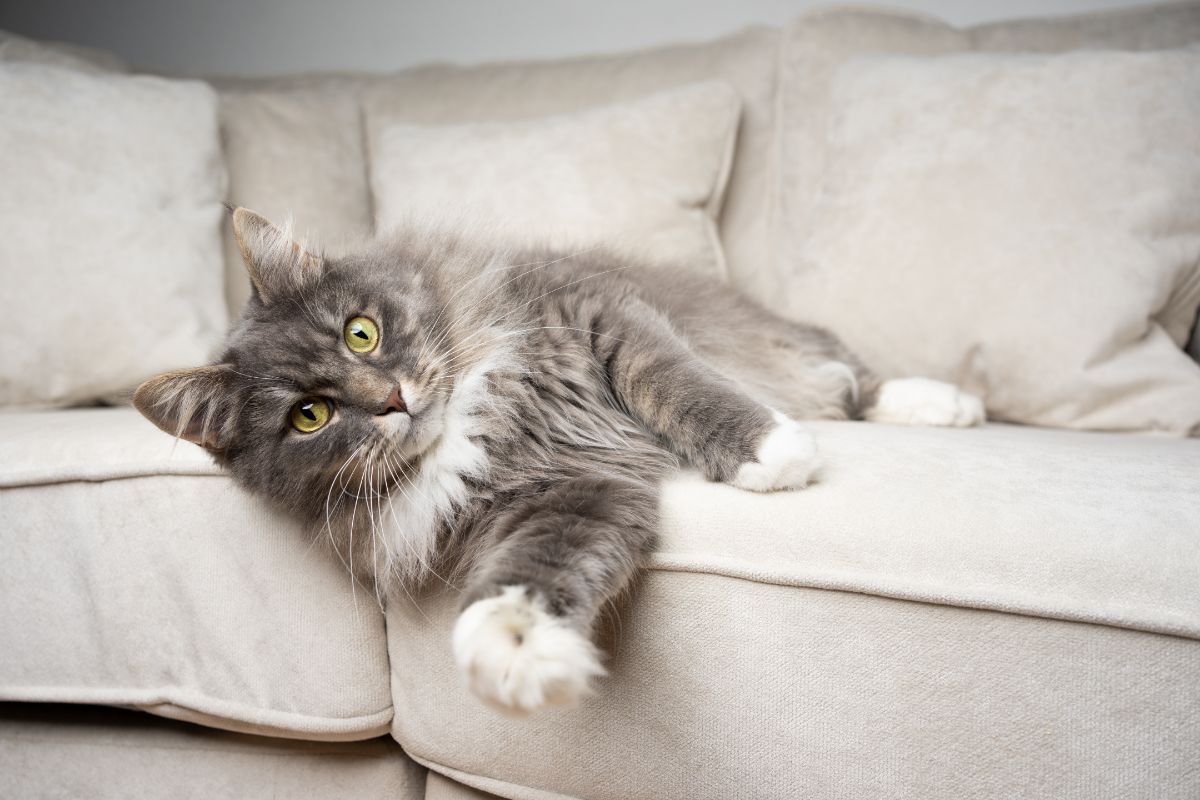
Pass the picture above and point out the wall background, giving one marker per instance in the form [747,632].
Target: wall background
[260,37]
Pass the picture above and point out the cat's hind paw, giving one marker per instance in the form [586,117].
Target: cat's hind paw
[518,657]
[786,459]
[922,401]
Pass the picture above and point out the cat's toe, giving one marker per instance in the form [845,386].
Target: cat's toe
[517,657]
[786,459]
[921,401]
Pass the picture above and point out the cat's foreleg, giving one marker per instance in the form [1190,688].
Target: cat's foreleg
[706,416]
[551,562]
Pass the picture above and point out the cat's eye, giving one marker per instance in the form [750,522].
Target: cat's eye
[310,414]
[361,335]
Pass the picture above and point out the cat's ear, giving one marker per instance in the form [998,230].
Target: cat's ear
[277,265]
[194,404]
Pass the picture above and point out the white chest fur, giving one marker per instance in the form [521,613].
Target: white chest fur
[416,509]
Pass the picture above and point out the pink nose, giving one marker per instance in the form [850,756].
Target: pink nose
[394,402]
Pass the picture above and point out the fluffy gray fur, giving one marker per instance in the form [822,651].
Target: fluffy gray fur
[576,380]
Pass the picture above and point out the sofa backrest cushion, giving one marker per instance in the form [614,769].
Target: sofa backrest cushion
[447,94]
[294,154]
[644,178]
[110,222]
[834,266]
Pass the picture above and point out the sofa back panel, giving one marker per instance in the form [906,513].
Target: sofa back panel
[138,575]
[294,155]
[815,45]
[1159,27]
[447,94]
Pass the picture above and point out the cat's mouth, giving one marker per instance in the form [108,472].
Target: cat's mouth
[408,435]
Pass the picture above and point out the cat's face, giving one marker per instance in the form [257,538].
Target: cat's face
[334,381]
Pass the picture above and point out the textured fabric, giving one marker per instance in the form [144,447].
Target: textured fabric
[135,575]
[18,48]
[1047,259]
[54,751]
[727,688]
[504,92]
[646,177]
[112,201]
[298,156]
[815,49]
[440,788]
[445,94]
[1015,599]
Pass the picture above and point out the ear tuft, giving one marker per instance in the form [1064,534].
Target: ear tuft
[192,404]
[277,264]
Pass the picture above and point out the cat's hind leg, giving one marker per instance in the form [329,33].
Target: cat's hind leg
[705,415]
[922,401]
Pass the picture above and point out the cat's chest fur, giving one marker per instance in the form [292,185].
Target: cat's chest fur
[417,509]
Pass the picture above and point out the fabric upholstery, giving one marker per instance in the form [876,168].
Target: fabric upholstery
[18,48]
[56,751]
[994,598]
[1045,259]
[295,156]
[111,183]
[645,177]
[894,241]
[446,94]
[723,687]
[438,787]
[136,575]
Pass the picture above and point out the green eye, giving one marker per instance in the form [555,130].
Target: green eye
[310,414]
[361,335]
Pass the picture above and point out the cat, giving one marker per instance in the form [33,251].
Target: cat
[431,404]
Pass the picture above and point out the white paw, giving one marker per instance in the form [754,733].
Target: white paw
[786,459]
[921,401]
[518,658]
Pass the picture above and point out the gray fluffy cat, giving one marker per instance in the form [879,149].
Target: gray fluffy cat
[432,405]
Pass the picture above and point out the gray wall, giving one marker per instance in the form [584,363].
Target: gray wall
[267,36]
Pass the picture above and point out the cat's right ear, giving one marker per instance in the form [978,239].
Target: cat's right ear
[277,264]
[193,404]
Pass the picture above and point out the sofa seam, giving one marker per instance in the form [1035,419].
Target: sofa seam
[657,565]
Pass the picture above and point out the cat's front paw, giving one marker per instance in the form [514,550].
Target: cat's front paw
[922,401]
[517,657]
[786,459]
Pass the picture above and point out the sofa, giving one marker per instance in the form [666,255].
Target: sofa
[1004,611]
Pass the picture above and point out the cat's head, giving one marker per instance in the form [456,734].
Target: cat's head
[336,379]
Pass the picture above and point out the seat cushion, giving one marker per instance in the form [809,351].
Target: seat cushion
[135,574]
[1019,600]
[57,751]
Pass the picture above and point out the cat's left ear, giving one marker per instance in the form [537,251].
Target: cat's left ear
[194,404]
[277,265]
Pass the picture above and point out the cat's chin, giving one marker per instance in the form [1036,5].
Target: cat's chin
[411,435]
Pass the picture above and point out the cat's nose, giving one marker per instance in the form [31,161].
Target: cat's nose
[394,402]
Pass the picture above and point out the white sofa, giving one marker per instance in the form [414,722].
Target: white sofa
[1001,612]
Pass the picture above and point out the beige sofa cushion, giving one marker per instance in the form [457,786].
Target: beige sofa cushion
[898,248]
[57,751]
[109,238]
[295,155]
[1019,600]
[18,48]
[645,177]
[505,92]
[1048,260]
[136,575]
